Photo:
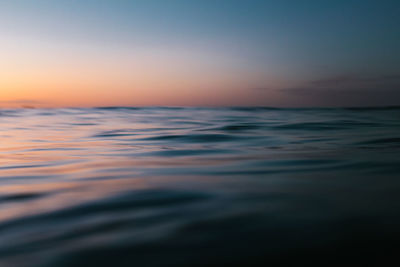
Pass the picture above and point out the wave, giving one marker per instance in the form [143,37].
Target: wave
[208,186]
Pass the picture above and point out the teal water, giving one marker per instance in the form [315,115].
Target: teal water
[199,187]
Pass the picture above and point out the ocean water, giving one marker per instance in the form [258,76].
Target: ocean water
[199,187]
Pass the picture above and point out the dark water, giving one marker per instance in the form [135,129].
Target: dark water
[199,187]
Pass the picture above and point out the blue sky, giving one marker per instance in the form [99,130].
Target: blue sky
[268,48]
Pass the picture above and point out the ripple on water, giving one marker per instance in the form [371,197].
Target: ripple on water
[120,186]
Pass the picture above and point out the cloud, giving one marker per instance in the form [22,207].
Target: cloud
[351,82]
[348,90]
[21,101]
[28,103]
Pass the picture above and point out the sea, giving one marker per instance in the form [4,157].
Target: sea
[171,186]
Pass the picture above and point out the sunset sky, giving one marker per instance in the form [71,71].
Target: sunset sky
[199,53]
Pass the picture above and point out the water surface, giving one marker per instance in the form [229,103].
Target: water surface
[199,186]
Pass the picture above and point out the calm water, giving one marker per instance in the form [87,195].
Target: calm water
[199,187]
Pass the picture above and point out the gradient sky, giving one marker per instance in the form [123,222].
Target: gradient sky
[199,53]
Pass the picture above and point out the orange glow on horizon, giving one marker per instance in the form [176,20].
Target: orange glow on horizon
[57,75]
[104,89]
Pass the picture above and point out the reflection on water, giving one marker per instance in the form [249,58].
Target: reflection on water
[199,187]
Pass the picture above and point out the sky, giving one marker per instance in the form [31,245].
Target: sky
[298,53]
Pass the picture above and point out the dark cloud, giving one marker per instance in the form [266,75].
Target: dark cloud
[358,82]
[348,90]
